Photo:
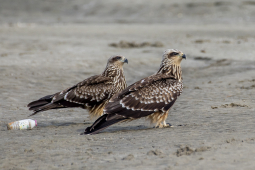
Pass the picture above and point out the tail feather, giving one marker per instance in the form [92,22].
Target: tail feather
[44,108]
[41,101]
[100,124]
[45,103]
[36,104]
[42,104]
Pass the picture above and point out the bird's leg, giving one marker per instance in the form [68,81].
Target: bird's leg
[163,125]
[161,122]
[167,124]
[160,125]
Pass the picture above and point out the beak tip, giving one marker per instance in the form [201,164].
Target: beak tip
[126,61]
[184,56]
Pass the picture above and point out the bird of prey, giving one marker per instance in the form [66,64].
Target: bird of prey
[92,93]
[151,97]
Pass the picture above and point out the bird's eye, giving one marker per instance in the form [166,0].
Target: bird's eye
[173,54]
[118,58]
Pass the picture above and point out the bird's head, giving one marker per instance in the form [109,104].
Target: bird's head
[172,57]
[171,62]
[117,60]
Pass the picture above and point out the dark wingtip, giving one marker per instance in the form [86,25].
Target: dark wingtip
[34,103]
[87,131]
[29,104]
[30,108]
[32,114]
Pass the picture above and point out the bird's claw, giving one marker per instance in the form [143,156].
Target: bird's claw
[164,125]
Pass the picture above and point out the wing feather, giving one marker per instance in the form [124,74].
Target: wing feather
[92,90]
[145,97]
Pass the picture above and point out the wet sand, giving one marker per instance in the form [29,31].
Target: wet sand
[213,119]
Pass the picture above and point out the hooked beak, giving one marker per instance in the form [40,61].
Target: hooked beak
[125,61]
[184,56]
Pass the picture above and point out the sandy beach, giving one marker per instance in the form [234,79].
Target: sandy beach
[48,46]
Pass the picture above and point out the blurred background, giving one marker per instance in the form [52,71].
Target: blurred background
[132,11]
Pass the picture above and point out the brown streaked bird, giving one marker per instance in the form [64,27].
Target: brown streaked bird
[151,97]
[92,93]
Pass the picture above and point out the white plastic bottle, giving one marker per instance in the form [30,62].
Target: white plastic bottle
[22,124]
